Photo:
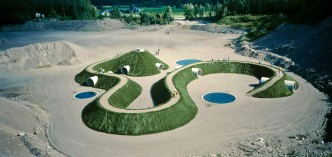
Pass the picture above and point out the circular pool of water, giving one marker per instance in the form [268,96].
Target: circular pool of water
[219,98]
[187,61]
[85,95]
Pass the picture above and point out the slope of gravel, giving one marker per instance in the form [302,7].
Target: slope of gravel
[39,55]
[306,50]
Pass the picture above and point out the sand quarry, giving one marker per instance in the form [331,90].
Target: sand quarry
[39,115]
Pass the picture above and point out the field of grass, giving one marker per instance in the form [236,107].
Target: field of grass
[125,95]
[177,13]
[258,25]
[141,64]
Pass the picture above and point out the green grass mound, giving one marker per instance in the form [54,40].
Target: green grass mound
[255,70]
[125,95]
[141,64]
[104,82]
[278,89]
[160,93]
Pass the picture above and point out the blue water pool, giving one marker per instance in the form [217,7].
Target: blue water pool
[187,61]
[85,95]
[219,98]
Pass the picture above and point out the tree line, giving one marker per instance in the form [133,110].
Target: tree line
[144,18]
[19,11]
[299,10]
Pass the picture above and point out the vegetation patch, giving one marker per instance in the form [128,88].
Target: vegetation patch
[278,89]
[255,70]
[257,25]
[125,95]
[104,82]
[160,93]
[141,64]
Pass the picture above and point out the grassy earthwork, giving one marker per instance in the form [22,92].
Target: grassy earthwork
[176,115]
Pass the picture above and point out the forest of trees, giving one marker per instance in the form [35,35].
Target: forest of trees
[150,18]
[299,10]
[303,11]
[18,11]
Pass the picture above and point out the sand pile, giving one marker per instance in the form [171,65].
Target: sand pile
[38,55]
[75,25]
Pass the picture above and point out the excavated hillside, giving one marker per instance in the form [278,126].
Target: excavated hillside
[38,55]
[306,50]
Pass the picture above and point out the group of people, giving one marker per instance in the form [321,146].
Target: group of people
[167,32]
[225,59]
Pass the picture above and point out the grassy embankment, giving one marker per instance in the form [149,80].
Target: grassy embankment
[160,93]
[257,25]
[179,114]
[141,64]
[278,89]
[104,82]
[125,95]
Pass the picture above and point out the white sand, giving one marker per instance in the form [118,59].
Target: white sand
[211,131]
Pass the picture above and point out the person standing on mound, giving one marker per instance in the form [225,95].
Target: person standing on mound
[158,51]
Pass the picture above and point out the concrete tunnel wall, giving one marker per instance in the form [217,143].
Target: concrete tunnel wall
[160,66]
[197,71]
[92,81]
[291,85]
[125,69]
[263,80]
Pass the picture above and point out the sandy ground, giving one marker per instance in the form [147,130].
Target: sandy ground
[217,129]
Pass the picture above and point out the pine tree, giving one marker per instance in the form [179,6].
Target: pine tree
[188,11]
[168,14]
[201,10]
